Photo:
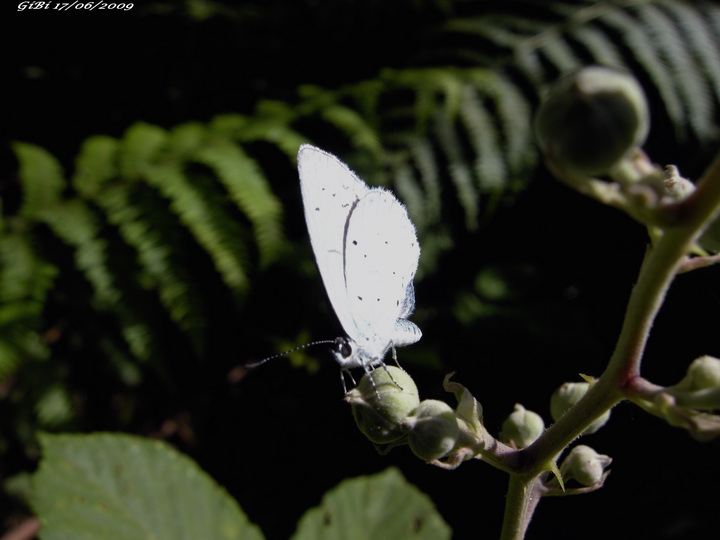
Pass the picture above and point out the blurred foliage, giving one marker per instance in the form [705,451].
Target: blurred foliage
[150,263]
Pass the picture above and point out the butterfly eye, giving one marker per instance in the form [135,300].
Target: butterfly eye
[343,347]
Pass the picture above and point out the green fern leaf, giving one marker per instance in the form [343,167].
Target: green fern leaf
[96,164]
[408,188]
[157,253]
[75,223]
[205,214]
[694,25]
[460,174]
[185,139]
[640,44]
[25,279]
[598,46]
[488,165]
[42,179]
[514,112]
[424,159]
[692,90]
[249,189]
[140,148]
[354,126]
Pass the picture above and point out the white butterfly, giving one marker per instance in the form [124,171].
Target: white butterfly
[367,252]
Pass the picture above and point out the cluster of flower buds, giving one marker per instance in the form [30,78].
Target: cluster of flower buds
[387,409]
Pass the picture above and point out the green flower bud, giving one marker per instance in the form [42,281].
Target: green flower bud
[522,427]
[568,395]
[591,120]
[584,465]
[433,429]
[379,405]
[702,374]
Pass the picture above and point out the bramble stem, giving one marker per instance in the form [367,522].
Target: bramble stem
[523,495]
[659,267]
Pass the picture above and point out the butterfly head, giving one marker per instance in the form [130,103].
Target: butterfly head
[345,351]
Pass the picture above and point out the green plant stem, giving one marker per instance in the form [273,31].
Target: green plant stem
[523,495]
[659,267]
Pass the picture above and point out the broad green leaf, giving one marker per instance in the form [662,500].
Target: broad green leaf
[377,507]
[121,487]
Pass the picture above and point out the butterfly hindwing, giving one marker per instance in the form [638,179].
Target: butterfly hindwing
[381,258]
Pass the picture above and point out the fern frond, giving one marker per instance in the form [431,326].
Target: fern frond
[460,173]
[357,130]
[673,43]
[270,124]
[640,44]
[250,190]
[695,26]
[488,165]
[25,279]
[96,164]
[78,226]
[433,88]
[693,90]
[204,213]
[423,156]
[24,274]
[184,140]
[140,148]
[43,181]
[514,113]
[408,188]
[160,256]
[598,45]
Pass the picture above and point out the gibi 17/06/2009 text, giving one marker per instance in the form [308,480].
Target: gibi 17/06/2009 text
[75,6]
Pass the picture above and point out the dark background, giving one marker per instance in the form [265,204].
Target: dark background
[282,436]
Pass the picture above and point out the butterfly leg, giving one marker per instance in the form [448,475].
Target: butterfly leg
[384,365]
[394,353]
[344,372]
[368,371]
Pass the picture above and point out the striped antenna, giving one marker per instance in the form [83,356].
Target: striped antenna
[261,362]
[238,373]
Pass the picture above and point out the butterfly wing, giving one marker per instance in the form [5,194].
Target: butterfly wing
[381,258]
[330,190]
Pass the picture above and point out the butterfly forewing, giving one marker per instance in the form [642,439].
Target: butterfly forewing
[329,191]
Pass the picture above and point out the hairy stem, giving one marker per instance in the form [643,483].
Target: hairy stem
[659,267]
[523,495]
